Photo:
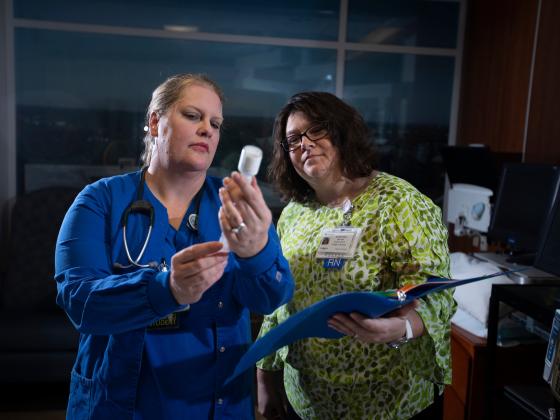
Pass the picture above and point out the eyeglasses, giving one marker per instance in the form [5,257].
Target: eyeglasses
[314,133]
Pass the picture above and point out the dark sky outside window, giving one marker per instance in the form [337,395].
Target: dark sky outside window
[81,97]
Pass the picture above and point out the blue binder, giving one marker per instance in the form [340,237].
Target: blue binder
[312,321]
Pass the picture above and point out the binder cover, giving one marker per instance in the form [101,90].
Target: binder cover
[312,321]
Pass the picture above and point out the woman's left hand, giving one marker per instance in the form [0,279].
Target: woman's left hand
[244,216]
[376,330]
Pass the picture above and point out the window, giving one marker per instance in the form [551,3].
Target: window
[310,19]
[406,101]
[403,22]
[84,73]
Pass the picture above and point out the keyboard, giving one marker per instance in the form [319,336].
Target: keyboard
[530,275]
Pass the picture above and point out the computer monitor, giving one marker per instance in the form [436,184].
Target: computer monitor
[548,257]
[459,162]
[525,197]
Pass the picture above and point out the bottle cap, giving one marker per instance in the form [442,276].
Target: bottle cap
[250,161]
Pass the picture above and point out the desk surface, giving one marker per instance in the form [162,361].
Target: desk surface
[530,275]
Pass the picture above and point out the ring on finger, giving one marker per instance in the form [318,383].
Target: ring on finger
[239,228]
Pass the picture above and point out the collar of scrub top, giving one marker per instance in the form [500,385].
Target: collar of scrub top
[145,207]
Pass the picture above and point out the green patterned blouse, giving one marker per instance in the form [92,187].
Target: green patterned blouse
[403,242]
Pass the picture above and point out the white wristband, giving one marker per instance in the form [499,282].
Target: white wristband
[408,326]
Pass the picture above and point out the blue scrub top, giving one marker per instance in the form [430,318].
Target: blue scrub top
[125,369]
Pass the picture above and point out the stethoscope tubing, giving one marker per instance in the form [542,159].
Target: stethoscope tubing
[135,262]
[143,206]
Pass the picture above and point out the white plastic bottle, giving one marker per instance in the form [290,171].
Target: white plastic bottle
[250,161]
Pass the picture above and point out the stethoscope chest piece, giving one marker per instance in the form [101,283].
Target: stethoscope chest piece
[192,221]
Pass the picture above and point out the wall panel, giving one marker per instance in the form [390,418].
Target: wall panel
[543,134]
[497,62]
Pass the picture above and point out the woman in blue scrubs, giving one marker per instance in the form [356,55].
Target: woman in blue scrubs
[161,305]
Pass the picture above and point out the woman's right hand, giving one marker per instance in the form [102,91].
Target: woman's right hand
[243,205]
[271,396]
[195,269]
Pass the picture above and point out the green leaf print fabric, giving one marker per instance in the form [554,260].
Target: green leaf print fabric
[404,241]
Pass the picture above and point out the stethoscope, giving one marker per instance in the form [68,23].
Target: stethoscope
[145,207]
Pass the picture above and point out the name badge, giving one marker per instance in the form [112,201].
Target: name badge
[340,242]
[168,323]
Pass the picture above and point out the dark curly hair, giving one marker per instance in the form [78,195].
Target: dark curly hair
[348,133]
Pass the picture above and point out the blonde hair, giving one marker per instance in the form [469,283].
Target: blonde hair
[165,96]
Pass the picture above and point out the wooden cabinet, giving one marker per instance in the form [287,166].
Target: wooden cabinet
[464,398]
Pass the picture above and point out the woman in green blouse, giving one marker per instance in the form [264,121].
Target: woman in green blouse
[386,368]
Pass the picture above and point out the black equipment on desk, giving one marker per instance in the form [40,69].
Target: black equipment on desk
[524,200]
[476,165]
[548,257]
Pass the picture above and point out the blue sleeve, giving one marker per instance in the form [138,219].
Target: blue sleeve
[264,282]
[96,300]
